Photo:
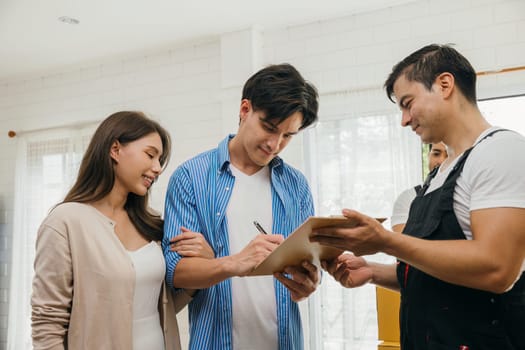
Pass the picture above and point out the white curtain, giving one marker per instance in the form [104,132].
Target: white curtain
[47,164]
[361,158]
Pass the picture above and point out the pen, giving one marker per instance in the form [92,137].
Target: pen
[259,227]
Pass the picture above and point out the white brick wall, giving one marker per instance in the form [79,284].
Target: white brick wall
[490,33]
[183,86]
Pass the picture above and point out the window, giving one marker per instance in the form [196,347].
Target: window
[506,112]
[361,163]
[47,166]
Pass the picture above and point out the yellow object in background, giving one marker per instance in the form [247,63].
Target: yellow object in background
[387,318]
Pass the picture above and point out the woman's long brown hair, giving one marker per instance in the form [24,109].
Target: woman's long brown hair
[96,175]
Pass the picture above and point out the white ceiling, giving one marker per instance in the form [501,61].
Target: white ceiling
[34,41]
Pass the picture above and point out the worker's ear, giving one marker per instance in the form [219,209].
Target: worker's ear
[446,84]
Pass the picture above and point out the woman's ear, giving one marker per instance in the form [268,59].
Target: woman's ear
[114,151]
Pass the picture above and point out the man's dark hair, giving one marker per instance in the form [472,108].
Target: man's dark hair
[427,63]
[279,91]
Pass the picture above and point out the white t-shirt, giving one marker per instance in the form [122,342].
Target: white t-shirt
[402,206]
[493,177]
[253,298]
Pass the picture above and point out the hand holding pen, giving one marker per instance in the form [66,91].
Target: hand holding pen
[301,280]
[255,251]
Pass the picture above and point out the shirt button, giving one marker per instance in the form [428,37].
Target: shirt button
[218,214]
[495,322]
[227,188]
[492,301]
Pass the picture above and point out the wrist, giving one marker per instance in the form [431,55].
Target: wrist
[390,242]
[229,266]
[374,267]
[384,275]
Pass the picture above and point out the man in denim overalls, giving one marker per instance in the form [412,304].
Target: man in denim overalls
[461,255]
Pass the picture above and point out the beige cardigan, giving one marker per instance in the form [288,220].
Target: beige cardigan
[84,284]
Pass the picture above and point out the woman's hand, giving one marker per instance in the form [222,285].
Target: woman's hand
[191,244]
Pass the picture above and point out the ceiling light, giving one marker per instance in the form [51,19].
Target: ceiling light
[68,20]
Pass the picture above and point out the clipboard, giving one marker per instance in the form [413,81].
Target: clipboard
[297,247]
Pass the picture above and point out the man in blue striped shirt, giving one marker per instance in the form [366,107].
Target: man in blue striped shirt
[219,193]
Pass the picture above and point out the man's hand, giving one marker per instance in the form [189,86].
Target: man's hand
[302,282]
[256,251]
[349,270]
[367,237]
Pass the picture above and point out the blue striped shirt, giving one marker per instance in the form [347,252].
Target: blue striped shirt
[197,198]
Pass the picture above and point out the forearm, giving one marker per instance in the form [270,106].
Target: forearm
[46,338]
[199,273]
[467,263]
[384,275]
[52,290]
[37,345]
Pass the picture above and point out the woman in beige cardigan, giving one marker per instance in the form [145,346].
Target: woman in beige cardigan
[99,267]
